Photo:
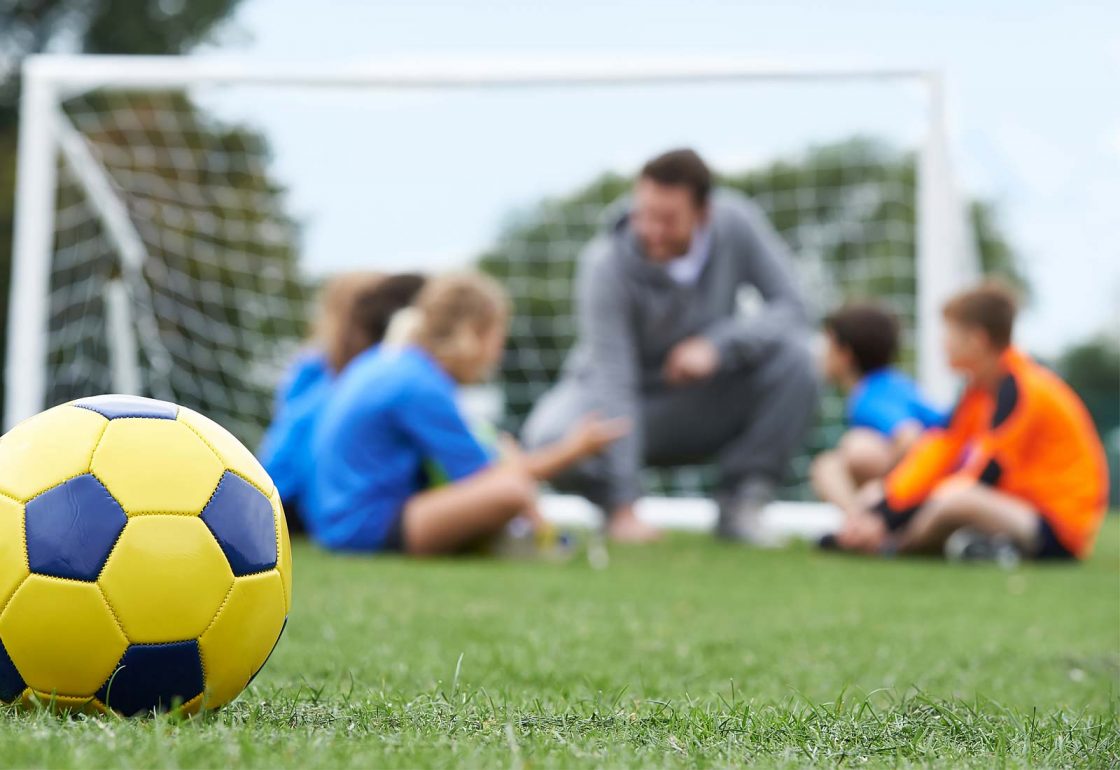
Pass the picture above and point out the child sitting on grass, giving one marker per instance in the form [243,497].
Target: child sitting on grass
[1019,465]
[393,413]
[885,410]
[356,310]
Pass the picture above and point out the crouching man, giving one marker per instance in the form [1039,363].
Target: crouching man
[691,327]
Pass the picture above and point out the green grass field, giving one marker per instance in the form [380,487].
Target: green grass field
[689,653]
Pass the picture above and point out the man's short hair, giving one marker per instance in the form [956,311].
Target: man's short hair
[681,168]
[869,331]
[991,306]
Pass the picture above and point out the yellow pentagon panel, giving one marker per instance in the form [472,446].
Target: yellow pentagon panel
[193,706]
[153,466]
[283,550]
[232,452]
[166,578]
[242,636]
[61,636]
[13,554]
[61,703]
[47,449]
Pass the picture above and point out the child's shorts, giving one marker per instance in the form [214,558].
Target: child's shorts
[1048,546]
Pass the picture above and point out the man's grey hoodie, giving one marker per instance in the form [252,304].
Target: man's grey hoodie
[630,313]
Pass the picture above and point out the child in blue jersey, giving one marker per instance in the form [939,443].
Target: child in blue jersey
[355,312]
[885,410]
[393,413]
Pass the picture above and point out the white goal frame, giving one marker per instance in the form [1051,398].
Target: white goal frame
[946,255]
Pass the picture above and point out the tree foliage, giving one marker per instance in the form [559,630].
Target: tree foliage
[1092,368]
[88,26]
[220,295]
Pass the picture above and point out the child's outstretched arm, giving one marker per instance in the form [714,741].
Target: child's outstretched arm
[589,437]
[444,519]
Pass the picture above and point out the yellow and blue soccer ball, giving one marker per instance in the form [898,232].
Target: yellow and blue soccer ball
[144,559]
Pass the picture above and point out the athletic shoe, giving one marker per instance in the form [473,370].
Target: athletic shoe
[828,542]
[740,515]
[969,545]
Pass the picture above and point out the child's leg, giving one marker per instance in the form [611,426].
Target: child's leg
[867,454]
[861,456]
[446,519]
[973,505]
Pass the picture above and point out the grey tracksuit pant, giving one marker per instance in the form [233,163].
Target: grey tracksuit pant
[749,421]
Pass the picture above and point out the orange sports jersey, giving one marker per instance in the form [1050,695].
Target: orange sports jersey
[1033,439]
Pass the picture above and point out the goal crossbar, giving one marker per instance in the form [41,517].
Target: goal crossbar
[83,72]
[944,252]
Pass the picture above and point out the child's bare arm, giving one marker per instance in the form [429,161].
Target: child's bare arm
[589,437]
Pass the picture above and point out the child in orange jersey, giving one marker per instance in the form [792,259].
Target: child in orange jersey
[1019,466]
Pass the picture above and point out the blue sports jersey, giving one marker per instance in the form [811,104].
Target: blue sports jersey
[390,411]
[886,399]
[285,450]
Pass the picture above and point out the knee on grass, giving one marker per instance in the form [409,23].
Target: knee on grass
[513,488]
[820,465]
[865,454]
[946,511]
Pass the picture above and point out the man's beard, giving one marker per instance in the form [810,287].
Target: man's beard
[675,251]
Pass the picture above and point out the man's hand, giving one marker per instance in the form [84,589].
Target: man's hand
[692,360]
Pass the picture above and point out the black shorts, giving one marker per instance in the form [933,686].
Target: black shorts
[1048,546]
[294,515]
[394,537]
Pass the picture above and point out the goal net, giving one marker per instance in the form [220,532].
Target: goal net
[177,215]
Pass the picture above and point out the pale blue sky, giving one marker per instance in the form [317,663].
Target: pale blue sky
[1034,97]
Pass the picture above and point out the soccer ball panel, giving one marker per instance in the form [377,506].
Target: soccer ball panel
[284,544]
[153,678]
[13,558]
[179,477]
[70,649]
[71,528]
[61,703]
[238,643]
[166,578]
[242,521]
[232,452]
[114,405]
[47,449]
[11,682]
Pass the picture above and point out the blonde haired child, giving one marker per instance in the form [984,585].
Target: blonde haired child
[393,412]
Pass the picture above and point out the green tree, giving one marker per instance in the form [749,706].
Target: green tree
[89,26]
[1092,368]
[220,295]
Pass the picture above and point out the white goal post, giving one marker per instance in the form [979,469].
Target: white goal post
[945,254]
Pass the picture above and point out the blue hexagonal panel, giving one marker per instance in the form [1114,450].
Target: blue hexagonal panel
[241,519]
[113,406]
[154,677]
[71,529]
[11,683]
